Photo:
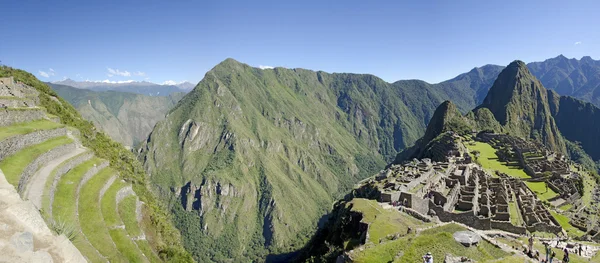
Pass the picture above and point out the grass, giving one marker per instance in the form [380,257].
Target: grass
[27,127]
[64,208]
[515,215]
[382,221]
[566,207]
[109,204]
[111,218]
[90,216]
[50,181]
[489,160]
[564,222]
[539,188]
[14,165]
[127,212]
[438,241]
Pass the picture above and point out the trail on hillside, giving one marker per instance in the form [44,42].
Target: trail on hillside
[35,189]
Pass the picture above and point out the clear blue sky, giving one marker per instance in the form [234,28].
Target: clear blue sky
[181,40]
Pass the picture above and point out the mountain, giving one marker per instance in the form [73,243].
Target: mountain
[247,149]
[523,106]
[185,86]
[571,77]
[126,117]
[139,87]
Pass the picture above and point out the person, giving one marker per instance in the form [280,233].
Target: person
[548,251]
[552,256]
[531,244]
[580,249]
[428,258]
[566,256]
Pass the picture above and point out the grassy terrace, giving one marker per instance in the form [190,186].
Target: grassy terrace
[90,216]
[128,216]
[111,218]
[49,182]
[27,127]
[515,215]
[489,160]
[14,165]
[438,241]
[539,188]
[382,221]
[564,222]
[64,208]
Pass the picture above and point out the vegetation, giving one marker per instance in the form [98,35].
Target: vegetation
[438,241]
[167,239]
[27,127]
[14,165]
[488,159]
[542,191]
[564,223]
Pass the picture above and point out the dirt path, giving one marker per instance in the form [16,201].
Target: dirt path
[35,189]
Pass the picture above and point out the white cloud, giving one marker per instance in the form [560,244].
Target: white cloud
[265,67]
[47,74]
[112,81]
[172,82]
[139,73]
[577,43]
[113,72]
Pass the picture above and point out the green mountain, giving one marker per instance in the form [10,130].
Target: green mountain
[523,106]
[126,117]
[251,158]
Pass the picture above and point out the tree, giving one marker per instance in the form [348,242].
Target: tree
[476,153]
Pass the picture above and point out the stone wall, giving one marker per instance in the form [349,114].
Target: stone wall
[124,192]
[415,214]
[12,145]
[12,116]
[42,160]
[467,218]
[18,103]
[508,227]
[65,168]
[543,227]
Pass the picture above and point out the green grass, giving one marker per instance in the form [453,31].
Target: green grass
[111,218]
[14,165]
[90,216]
[27,127]
[63,207]
[383,222]
[438,241]
[50,181]
[539,188]
[564,222]
[566,207]
[515,215]
[127,212]
[489,160]
[109,204]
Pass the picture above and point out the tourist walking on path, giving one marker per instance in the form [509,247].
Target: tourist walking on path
[566,256]
[552,256]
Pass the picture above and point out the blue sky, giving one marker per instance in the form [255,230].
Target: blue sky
[181,40]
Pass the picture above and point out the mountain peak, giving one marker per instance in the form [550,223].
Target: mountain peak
[522,105]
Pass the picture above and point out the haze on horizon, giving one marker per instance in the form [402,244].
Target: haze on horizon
[170,42]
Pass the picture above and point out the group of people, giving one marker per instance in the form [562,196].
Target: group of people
[551,254]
